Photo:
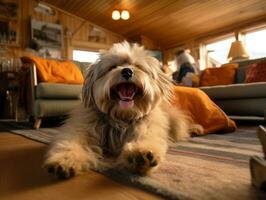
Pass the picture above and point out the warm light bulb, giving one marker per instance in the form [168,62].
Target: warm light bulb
[116,15]
[125,15]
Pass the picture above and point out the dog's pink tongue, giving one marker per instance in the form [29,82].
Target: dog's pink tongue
[126,93]
[126,104]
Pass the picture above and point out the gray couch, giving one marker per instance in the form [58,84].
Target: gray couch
[240,99]
[50,99]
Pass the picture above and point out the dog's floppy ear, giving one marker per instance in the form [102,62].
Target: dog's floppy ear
[164,83]
[87,90]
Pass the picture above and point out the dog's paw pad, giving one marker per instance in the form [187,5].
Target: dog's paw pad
[149,156]
[60,172]
[50,169]
[142,162]
[154,163]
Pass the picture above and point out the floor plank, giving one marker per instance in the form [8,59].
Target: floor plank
[21,177]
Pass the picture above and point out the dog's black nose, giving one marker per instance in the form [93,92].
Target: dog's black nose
[127,73]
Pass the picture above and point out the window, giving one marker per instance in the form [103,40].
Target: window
[217,52]
[85,56]
[255,43]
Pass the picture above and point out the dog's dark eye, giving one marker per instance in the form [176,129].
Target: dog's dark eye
[112,67]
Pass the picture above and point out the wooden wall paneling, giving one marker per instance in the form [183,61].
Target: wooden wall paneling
[71,24]
[90,3]
[68,48]
[78,44]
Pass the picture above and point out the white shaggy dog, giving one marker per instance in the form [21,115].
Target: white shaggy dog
[124,116]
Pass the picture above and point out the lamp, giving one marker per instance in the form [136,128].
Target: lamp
[237,51]
[124,14]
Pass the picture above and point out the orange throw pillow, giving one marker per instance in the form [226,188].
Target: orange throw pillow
[256,72]
[54,71]
[223,75]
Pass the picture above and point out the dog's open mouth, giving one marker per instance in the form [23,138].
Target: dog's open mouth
[126,93]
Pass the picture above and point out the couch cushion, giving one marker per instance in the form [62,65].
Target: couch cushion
[219,76]
[241,74]
[241,71]
[256,72]
[58,91]
[53,108]
[83,66]
[236,91]
[246,107]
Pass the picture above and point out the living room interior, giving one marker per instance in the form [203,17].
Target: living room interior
[225,93]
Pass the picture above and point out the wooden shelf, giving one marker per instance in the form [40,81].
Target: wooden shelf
[10,20]
[89,45]
[9,45]
[4,18]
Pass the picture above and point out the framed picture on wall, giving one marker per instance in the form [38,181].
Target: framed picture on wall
[46,34]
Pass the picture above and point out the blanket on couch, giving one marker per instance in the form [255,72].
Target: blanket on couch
[202,110]
[54,71]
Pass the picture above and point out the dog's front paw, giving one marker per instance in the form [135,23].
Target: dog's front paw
[62,172]
[67,159]
[66,168]
[141,161]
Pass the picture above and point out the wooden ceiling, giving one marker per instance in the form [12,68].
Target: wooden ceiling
[168,22]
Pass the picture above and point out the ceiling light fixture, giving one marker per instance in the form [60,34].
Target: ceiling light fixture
[115,15]
[124,14]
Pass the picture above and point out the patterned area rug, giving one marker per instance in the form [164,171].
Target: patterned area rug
[214,166]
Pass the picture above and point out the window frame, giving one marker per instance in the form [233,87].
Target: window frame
[203,48]
[252,30]
[241,32]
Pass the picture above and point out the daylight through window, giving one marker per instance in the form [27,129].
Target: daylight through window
[255,43]
[217,52]
[85,56]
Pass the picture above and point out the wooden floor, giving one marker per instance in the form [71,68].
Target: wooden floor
[21,177]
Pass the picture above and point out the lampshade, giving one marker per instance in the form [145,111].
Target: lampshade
[115,15]
[237,51]
[125,15]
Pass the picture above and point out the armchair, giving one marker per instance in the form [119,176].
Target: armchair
[45,99]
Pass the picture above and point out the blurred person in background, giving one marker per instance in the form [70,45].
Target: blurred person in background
[185,67]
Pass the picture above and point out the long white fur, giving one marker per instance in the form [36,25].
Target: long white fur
[100,125]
